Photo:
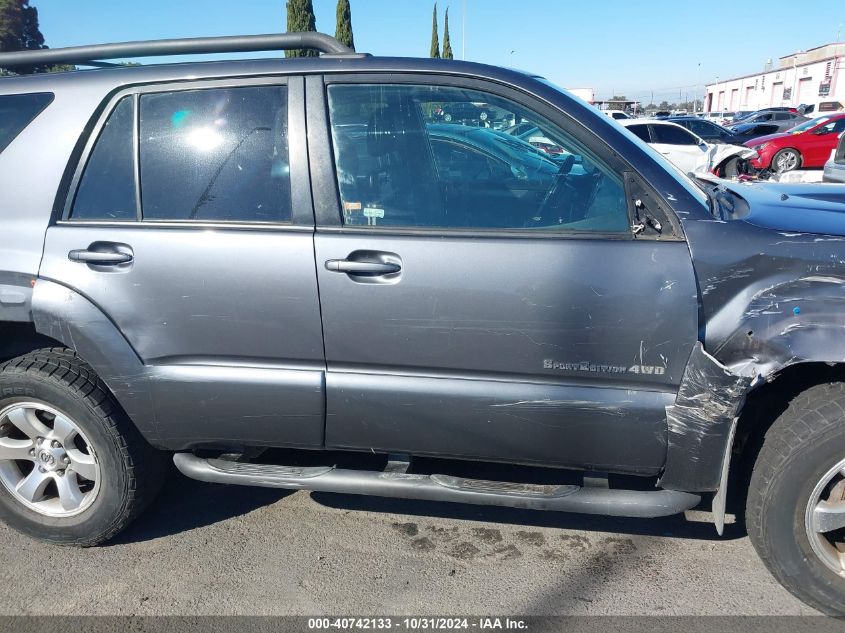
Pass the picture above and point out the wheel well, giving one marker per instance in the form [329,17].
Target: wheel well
[17,339]
[762,407]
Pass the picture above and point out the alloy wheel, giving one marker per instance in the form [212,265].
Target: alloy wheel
[786,161]
[46,462]
[825,519]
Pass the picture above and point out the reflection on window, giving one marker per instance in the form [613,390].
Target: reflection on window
[423,156]
[218,154]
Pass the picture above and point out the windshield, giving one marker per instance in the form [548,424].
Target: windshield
[686,182]
[809,125]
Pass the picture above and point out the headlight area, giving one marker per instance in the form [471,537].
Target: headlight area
[759,148]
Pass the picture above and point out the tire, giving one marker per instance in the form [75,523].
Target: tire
[730,169]
[103,475]
[798,453]
[791,159]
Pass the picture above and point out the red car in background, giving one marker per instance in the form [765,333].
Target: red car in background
[807,145]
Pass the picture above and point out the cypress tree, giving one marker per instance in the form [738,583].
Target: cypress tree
[447,44]
[435,41]
[343,31]
[301,18]
[19,31]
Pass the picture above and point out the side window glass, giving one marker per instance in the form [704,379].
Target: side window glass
[427,156]
[215,155]
[641,131]
[18,111]
[107,188]
[671,135]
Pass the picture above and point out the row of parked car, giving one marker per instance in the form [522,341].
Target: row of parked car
[778,140]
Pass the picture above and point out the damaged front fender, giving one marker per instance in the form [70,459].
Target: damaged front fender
[801,320]
[701,423]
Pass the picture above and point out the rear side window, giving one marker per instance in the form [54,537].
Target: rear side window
[215,155]
[107,188]
[202,155]
[641,131]
[671,135]
[18,111]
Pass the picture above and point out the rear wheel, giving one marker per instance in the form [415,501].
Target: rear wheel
[795,511]
[73,468]
[786,160]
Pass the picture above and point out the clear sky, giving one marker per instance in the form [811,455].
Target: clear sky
[613,46]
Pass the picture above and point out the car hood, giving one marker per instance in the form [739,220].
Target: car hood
[794,207]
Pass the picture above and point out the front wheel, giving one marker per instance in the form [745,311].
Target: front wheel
[786,160]
[795,512]
[73,468]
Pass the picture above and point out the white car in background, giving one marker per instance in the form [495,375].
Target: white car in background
[619,115]
[689,152]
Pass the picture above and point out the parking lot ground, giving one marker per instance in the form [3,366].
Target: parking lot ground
[206,549]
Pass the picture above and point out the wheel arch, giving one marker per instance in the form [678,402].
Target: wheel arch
[65,317]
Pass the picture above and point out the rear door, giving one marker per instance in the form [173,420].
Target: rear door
[482,298]
[678,145]
[189,223]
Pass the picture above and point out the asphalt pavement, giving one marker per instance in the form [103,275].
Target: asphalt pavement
[207,549]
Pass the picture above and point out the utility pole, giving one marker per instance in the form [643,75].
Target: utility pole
[698,81]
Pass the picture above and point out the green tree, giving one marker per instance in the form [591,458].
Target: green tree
[447,44]
[343,31]
[301,18]
[435,41]
[19,31]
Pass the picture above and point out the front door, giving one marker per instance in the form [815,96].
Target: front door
[485,297]
[187,228]
[819,143]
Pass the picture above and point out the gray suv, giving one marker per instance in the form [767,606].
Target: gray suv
[302,274]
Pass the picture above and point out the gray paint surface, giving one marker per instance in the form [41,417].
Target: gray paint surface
[605,326]
[749,272]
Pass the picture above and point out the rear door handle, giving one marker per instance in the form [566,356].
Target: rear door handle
[102,254]
[362,268]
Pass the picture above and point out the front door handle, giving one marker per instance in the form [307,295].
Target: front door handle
[362,268]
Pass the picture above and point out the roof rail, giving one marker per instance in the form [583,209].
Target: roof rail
[85,55]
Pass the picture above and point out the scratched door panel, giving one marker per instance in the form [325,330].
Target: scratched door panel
[539,317]
[226,320]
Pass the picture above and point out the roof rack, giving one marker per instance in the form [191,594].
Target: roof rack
[92,55]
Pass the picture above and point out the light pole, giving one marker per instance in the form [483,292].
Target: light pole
[698,82]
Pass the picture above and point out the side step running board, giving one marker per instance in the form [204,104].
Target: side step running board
[563,498]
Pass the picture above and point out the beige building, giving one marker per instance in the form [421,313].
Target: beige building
[807,77]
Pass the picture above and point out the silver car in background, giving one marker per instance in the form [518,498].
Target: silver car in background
[834,168]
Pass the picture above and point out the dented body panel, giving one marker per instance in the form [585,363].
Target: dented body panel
[772,297]
[700,423]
